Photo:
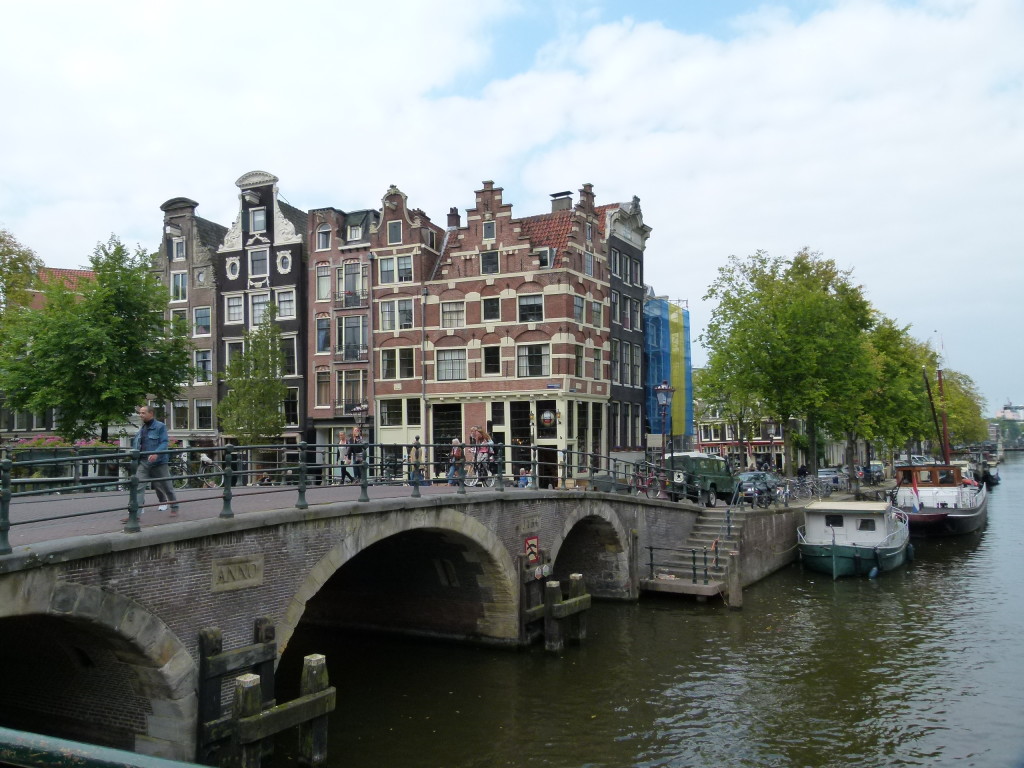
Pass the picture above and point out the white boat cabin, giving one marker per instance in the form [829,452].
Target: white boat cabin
[860,523]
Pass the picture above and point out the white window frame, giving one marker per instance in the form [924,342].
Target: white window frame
[178,406]
[228,299]
[322,275]
[522,356]
[266,260]
[532,297]
[588,262]
[323,237]
[291,339]
[484,317]
[195,323]
[253,214]
[179,286]
[178,249]
[316,334]
[393,227]
[228,354]
[298,413]
[390,263]
[320,377]
[400,268]
[490,270]
[200,378]
[253,320]
[203,402]
[355,232]
[278,293]
[453,314]
[452,361]
[489,230]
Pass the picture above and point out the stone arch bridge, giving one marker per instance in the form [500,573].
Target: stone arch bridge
[100,633]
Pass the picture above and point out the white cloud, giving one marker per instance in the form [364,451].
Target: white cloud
[885,135]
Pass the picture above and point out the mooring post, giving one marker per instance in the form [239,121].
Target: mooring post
[578,620]
[735,589]
[248,703]
[553,640]
[229,480]
[301,503]
[132,524]
[313,733]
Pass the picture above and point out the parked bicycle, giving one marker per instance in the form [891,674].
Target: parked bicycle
[208,474]
[648,480]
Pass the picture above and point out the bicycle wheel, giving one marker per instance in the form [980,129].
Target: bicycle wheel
[212,475]
[179,470]
[636,485]
[655,485]
[490,481]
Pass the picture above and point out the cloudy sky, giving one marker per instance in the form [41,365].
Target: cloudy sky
[887,135]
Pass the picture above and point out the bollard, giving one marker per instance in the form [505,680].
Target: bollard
[553,640]
[577,621]
[364,480]
[229,472]
[313,733]
[132,525]
[248,703]
[735,590]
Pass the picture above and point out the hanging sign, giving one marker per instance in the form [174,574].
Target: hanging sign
[532,548]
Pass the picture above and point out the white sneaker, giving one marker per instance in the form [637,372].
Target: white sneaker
[162,508]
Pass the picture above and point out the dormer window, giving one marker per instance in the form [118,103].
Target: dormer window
[258,220]
[323,237]
[355,232]
[394,233]
[490,228]
[546,258]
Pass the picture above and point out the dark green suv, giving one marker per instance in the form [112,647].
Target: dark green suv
[700,477]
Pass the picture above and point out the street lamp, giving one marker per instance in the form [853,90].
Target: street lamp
[664,392]
[358,412]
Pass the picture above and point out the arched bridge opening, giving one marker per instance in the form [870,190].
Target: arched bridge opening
[424,581]
[74,679]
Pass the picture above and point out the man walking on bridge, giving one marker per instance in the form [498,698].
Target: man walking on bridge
[151,438]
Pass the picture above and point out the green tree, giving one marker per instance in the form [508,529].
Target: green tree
[97,354]
[788,334]
[963,405]
[19,269]
[251,410]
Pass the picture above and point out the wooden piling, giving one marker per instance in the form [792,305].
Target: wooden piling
[735,585]
[248,703]
[553,640]
[313,733]
[578,620]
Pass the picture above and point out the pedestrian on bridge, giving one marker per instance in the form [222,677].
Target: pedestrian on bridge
[151,443]
[415,459]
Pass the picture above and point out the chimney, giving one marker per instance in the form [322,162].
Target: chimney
[454,220]
[561,201]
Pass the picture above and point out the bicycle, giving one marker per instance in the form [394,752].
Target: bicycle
[482,475]
[209,474]
[648,480]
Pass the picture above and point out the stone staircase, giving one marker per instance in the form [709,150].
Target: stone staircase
[682,570]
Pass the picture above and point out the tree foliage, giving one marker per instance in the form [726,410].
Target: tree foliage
[251,410]
[19,269]
[97,354]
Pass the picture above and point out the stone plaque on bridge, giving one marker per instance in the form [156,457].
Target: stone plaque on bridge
[237,573]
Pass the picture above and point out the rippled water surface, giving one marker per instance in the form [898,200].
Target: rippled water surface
[921,667]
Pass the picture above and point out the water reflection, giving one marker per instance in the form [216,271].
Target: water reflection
[921,667]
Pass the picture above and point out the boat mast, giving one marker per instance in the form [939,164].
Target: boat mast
[945,422]
[935,418]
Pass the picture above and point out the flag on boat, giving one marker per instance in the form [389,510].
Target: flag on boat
[916,500]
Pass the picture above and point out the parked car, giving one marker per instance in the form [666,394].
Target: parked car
[857,468]
[832,475]
[758,488]
[700,477]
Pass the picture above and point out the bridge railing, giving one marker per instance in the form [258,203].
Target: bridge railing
[218,472]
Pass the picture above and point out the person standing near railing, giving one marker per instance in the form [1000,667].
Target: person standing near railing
[343,459]
[149,441]
[415,459]
[357,454]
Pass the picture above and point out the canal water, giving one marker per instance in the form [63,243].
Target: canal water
[921,667]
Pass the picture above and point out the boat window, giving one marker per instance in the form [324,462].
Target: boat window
[924,476]
[834,521]
[946,477]
[866,525]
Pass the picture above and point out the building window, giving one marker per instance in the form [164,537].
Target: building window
[578,369]
[397,363]
[179,414]
[492,361]
[179,286]
[323,389]
[451,364]
[627,356]
[531,308]
[353,386]
[588,262]
[286,303]
[595,314]
[490,309]
[258,307]
[387,270]
[590,231]
[258,220]
[404,264]
[350,283]
[231,268]
[355,232]
[615,361]
[597,363]
[290,407]
[614,258]
[490,230]
[323,334]
[179,317]
[323,237]
[387,315]
[233,312]
[498,413]
[615,307]
[394,233]
[637,357]
[546,258]
[637,276]
[288,364]
[390,412]
[625,315]
[178,249]
[204,366]
[634,314]
[577,308]
[412,412]
[232,351]
[453,314]
[489,263]
[323,282]
[259,263]
[201,321]
[204,414]
[533,360]
[404,314]
[352,334]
